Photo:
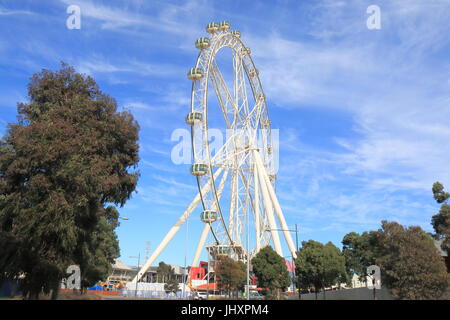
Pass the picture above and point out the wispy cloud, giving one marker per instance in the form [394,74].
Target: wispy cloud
[100,65]
[387,89]
[398,97]
[7,12]
[168,18]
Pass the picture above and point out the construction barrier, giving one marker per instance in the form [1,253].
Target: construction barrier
[154,294]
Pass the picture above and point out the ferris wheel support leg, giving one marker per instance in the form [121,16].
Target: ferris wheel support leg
[269,211]
[233,200]
[257,214]
[174,229]
[277,207]
[207,226]
[201,243]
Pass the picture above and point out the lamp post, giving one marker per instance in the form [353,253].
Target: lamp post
[185,274]
[247,289]
[295,230]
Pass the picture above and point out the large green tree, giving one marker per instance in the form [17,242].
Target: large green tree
[100,248]
[271,270]
[359,253]
[231,274]
[441,220]
[319,265]
[411,267]
[164,272]
[70,154]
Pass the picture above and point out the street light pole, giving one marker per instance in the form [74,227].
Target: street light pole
[207,286]
[185,275]
[247,290]
[296,233]
[138,270]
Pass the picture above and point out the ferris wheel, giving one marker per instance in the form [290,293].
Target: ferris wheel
[236,180]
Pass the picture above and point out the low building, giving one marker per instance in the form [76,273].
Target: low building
[443,254]
[121,274]
[357,283]
[151,276]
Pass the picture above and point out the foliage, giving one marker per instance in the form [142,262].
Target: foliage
[359,253]
[164,272]
[319,265]
[411,267]
[100,249]
[270,269]
[171,285]
[67,157]
[231,274]
[441,221]
[439,194]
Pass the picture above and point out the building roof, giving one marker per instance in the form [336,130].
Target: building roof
[438,244]
[118,264]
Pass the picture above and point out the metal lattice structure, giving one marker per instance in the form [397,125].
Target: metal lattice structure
[236,183]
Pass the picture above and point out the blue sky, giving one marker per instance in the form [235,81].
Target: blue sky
[363,115]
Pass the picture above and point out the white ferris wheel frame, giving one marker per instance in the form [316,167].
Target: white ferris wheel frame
[250,163]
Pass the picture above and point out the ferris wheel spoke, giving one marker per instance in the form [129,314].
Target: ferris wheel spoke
[239,88]
[223,94]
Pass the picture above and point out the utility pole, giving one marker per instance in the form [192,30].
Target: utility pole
[138,270]
[247,289]
[296,248]
[207,277]
[185,276]
[148,245]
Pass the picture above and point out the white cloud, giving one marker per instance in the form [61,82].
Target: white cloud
[388,81]
[6,12]
[99,65]
[165,17]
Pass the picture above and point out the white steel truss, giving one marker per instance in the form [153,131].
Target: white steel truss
[246,191]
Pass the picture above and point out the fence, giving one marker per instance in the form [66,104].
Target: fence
[349,294]
[10,288]
[153,294]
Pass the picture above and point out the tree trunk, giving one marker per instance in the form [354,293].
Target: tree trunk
[33,295]
[55,290]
